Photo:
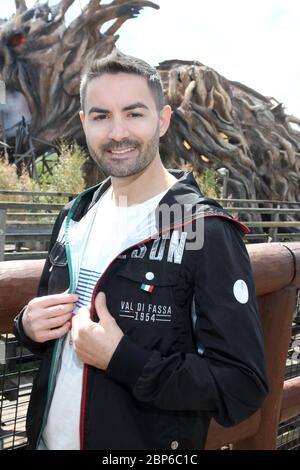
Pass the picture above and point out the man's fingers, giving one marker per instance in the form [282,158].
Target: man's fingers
[83,316]
[58,310]
[58,332]
[80,320]
[52,300]
[41,309]
[101,307]
[57,321]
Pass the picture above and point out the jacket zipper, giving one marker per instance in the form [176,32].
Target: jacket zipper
[146,240]
[84,377]
[58,343]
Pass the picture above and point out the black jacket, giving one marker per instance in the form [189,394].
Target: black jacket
[193,346]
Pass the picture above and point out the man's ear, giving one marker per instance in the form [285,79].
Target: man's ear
[164,119]
[82,117]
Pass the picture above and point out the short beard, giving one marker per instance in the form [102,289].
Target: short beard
[124,168]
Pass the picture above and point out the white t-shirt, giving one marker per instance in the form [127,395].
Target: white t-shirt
[104,232]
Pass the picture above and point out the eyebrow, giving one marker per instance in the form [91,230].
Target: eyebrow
[136,105]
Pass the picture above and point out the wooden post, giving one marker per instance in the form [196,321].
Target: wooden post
[2,233]
[276,311]
[274,218]
[32,153]
[225,183]
[2,124]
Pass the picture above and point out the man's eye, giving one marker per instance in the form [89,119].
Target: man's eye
[99,117]
[135,115]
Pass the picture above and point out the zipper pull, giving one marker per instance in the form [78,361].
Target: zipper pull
[53,264]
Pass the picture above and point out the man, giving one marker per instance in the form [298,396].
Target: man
[165,331]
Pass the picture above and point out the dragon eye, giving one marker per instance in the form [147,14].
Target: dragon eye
[17,40]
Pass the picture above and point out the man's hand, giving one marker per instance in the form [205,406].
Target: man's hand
[48,317]
[95,343]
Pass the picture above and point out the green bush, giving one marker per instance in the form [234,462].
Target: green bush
[66,174]
[207,182]
[11,181]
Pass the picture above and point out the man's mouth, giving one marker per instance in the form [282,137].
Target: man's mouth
[121,151]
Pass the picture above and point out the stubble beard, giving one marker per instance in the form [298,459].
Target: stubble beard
[128,166]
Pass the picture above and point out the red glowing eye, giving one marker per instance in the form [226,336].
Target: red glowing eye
[17,40]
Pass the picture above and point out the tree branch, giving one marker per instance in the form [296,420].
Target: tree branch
[20,6]
[64,6]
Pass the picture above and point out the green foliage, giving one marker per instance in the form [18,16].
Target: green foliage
[207,183]
[50,157]
[66,174]
[11,181]
[66,177]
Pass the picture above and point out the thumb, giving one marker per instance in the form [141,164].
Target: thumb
[82,317]
[101,307]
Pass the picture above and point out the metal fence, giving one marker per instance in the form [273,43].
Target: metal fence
[17,369]
[289,431]
[25,227]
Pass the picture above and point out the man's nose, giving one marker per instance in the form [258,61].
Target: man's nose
[118,130]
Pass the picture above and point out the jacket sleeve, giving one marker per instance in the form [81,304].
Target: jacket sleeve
[35,347]
[226,375]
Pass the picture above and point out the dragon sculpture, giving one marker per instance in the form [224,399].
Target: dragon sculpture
[216,123]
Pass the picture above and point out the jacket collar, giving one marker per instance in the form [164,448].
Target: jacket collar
[187,202]
[184,193]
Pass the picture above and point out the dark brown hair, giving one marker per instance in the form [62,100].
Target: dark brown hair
[117,62]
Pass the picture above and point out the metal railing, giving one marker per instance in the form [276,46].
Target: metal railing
[25,227]
[24,230]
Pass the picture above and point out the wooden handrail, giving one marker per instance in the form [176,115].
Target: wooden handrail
[18,284]
[8,192]
[276,269]
[7,212]
[275,266]
[272,264]
[36,206]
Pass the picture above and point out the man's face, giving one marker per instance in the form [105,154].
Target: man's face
[122,124]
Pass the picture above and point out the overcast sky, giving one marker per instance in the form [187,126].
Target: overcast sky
[254,42]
